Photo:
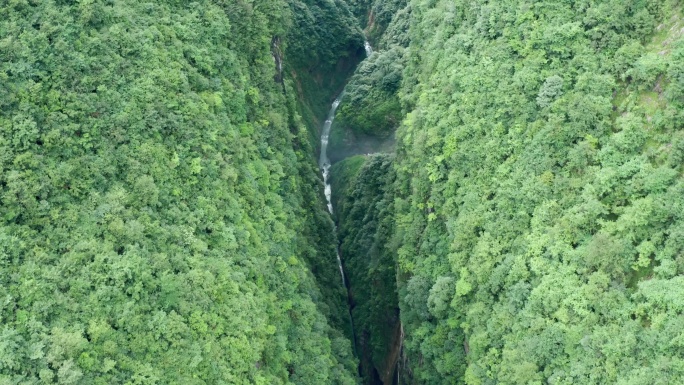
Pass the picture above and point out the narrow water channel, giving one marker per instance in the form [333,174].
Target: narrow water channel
[324,165]
[324,160]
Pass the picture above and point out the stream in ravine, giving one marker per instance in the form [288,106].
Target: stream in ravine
[325,166]
[324,160]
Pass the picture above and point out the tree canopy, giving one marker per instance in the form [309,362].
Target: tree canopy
[539,192]
[161,220]
[162,216]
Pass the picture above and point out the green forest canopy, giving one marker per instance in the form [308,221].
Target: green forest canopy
[162,220]
[537,218]
[160,213]
[539,192]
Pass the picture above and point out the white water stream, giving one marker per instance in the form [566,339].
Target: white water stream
[367,46]
[324,165]
[324,161]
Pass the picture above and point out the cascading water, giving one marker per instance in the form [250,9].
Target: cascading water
[367,46]
[324,164]
[324,161]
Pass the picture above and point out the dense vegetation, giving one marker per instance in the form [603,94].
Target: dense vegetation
[326,44]
[539,192]
[370,110]
[537,223]
[161,220]
[363,199]
[376,16]
[162,217]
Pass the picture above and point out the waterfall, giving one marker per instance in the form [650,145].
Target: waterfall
[324,161]
[324,164]
[367,46]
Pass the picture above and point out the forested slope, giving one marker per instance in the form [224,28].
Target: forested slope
[370,110]
[161,216]
[540,198]
[363,188]
[537,220]
[364,207]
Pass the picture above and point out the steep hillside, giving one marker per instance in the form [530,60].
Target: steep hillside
[516,215]
[370,110]
[363,187]
[324,46]
[161,216]
[536,226]
[540,193]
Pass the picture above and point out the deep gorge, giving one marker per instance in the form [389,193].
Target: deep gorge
[503,190]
